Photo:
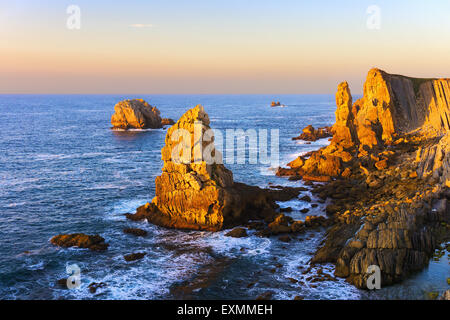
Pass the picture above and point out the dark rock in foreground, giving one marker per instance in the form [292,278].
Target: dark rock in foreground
[137,114]
[389,170]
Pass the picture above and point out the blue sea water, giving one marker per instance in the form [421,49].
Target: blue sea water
[63,170]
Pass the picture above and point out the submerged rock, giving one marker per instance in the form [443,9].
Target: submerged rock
[195,190]
[134,256]
[445,296]
[136,232]
[285,238]
[137,114]
[167,122]
[80,240]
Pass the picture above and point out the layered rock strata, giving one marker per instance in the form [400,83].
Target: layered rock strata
[388,166]
[80,240]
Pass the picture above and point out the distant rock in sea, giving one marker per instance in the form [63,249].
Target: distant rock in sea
[275,104]
[198,195]
[137,114]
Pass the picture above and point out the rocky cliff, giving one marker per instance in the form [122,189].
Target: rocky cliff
[192,193]
[388,166]
[137,114]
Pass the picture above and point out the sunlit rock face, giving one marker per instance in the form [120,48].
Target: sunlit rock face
[136,114]
[344,131]
[195,190]
[388,167]
[392,106]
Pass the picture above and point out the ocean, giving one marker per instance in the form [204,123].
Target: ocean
[63,170]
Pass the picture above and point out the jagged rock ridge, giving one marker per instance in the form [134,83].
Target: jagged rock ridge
[198,195]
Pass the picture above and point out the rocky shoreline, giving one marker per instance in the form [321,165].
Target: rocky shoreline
[387,169]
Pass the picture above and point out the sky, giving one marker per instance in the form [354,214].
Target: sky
[217,47]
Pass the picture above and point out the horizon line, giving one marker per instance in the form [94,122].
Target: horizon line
[161,94]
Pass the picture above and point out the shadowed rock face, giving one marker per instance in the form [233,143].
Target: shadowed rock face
[136,114]
[194,194]
[394,104]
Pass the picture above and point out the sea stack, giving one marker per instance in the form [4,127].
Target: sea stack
[389,167]
[137,114]
[194,194]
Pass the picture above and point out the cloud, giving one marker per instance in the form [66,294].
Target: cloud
[141,25]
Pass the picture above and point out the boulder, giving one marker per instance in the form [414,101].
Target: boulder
[445,296]
[311,134]
[280,225]
[285,238]
[344,130]
[94,286]
[392,218]
[237,233]
[80,240]
[381,165]
[434,161]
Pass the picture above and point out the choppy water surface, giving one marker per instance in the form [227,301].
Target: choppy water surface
[62,170]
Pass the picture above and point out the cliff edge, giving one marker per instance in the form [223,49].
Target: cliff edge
[388,168]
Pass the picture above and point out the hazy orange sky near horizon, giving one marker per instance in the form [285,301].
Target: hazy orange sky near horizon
[201,46]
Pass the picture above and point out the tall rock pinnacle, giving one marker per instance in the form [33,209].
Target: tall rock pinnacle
[194,192]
